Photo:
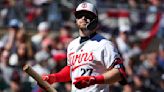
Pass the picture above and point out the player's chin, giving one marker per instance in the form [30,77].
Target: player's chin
[82,26]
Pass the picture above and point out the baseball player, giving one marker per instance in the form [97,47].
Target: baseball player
[93,61]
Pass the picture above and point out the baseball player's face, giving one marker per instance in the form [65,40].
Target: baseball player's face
[83,19]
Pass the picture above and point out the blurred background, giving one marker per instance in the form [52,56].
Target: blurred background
[37,32]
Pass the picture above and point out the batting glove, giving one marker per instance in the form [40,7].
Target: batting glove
[48,78]
[86,81]
[45,77]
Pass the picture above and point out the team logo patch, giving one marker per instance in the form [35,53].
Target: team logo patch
[84,5]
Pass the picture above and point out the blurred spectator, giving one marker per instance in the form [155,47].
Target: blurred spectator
[31,13]
[41,67]
[67,3]
[161,28]
[68,87]
[15,83]
[4,66]
[20,58]
[21,37]
[3,84]
[41,62]
[65,34]
[123,44]
[59,56]
[161,55]
[54,37]
[138,84]
[42,9]
[132,3]
[9,38]
[40,2]
[58,52]
[161,88]
[54,47]
[47,45]
[54,15]
[66,6]
[43,31]
[150,71]
[127,88]
[13,10]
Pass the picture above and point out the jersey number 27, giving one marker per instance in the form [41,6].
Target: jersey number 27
[86,71]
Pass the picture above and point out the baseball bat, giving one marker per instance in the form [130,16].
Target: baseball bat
[46,86]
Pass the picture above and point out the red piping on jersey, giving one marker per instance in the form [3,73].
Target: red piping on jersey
[75,67]
[121,69]
[119,61]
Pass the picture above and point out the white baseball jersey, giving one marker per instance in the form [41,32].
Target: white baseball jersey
[91,58]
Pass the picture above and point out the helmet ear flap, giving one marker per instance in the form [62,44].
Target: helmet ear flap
[93,24]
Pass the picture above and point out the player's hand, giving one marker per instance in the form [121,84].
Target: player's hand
[84,81]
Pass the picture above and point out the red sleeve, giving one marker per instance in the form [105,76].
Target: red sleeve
[62,76]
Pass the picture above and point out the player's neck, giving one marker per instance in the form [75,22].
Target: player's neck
[83,39]
[85,33]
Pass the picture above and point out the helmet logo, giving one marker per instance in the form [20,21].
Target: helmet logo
[84,5]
